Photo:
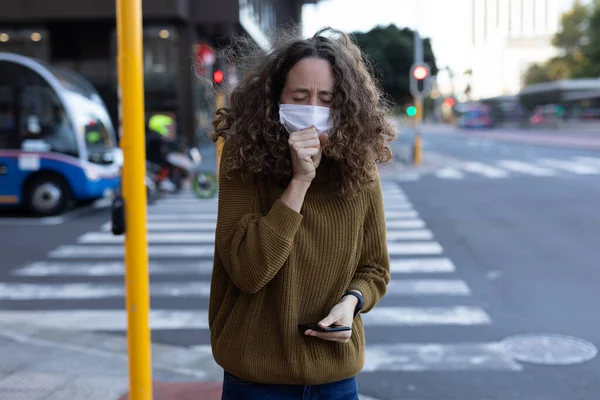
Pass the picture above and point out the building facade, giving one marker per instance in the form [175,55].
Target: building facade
[509,36]
[81,35]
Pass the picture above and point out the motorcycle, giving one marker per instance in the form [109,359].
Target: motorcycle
[183,167]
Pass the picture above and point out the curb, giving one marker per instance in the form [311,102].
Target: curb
[175,359]
[179,360]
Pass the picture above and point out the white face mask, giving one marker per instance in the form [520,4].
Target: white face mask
[296,117]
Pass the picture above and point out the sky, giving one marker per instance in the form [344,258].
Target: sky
[446,22]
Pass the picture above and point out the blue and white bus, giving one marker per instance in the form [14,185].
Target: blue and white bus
[57,142]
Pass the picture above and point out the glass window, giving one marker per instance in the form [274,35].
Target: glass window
[8,118]
[44,118]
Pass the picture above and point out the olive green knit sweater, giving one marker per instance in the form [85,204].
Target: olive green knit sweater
[275,268]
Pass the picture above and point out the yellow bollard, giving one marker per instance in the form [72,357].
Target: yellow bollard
[131,89]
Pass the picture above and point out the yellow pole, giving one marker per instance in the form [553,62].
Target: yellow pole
[418,150]
[131,82]
[220,103]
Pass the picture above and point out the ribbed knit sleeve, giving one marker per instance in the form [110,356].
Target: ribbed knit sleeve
[373,274]
[252,247]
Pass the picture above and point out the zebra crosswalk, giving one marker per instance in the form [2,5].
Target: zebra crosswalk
[80,286]
[506,168]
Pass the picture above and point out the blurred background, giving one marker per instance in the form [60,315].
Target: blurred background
[491,199]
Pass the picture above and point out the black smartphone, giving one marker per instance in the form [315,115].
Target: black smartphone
[316,327]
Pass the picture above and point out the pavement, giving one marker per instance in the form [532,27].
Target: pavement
[54,364]
[493,293]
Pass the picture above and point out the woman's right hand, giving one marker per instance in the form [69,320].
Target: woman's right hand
[306,150]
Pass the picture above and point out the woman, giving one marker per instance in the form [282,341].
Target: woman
[301,234]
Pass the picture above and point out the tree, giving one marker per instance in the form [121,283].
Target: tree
[552,70]
[391,51]
[591,50]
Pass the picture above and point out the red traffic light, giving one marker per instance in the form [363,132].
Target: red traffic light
[449,102]
[420,73]
[218,76]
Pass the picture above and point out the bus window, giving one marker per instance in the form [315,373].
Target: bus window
[8,119]
[44,118]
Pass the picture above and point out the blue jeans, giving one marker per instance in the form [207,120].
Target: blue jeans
[238,389]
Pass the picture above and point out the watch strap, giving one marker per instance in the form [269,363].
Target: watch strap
[360,303]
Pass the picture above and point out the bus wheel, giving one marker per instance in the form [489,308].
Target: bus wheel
[48,195]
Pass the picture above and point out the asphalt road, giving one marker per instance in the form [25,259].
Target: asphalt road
[501,241]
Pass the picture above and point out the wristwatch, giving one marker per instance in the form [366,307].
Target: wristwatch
[361,301]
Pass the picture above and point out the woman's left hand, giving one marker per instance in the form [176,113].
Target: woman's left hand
[341,314]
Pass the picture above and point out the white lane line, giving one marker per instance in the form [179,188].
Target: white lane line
[173,226]
[483,169]
[56,291]
[525,168]
[405,224]
[401,214]
[570,166]
[390,206]
[422,266]
[420,234]
[438,357]
[110,251]
[110,268]
[152,237]
[588,160]
[182,217]
[104,320]
[423,316]
[428,287]
[414,248]
[65,291]
[116,320]
[449,173]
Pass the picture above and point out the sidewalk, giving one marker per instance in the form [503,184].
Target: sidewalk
[38,364]
[49,364]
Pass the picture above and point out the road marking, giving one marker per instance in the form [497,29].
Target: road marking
[589,160]
[423,316]
[56,291]
[104,320]
[421,234]
[428,287]
[401,214]
[570,166]
[75,291]
[405,224]
[182,217]
[438,357]
[483,169]
[112,251]
[449,173]
[389,206]
[152,237]
[414,248]
[111,268]
[173,226]
[525,168]
[395,198]
[116,320]
[422,265]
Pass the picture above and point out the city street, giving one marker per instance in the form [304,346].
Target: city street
[494,287]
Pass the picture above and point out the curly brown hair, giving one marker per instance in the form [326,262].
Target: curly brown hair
[361,131]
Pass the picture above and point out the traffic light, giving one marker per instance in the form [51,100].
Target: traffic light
[218,77]
[420,80]
[411,111]
[449,102]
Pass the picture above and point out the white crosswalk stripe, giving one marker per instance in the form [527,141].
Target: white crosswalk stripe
[181,234]
[507,168]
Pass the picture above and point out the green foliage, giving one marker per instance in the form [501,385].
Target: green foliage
[391,51]
[591,50]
